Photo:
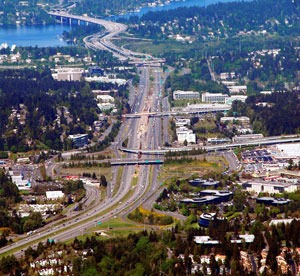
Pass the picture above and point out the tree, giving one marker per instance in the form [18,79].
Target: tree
[239,199]
[185,143]
[103,181]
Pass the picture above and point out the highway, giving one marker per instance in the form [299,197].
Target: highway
[103,40]
[144,133]
[122,199]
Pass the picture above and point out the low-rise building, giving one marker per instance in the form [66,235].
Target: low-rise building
[269,187]
[185,95]
[53,195]
[185,134]
[182,122]
[207,107]
[106,79]
[247,137]
[227,75]
[232,98]
[106,106]
[203,183]
[68,74]
[237,89]
[273,201]
[20,182]
[207,97]
[79,140]
[105,98]
[215,140]
[241,119]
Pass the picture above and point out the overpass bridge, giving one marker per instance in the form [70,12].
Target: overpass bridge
[102,41]
[175,113]
[261,142]
[137,162]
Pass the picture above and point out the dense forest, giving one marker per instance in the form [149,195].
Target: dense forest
[111,7]
[24,12]
[221,20]
[279,115]
[38,99]
[161,253]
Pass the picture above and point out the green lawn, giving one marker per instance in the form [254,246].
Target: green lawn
[200,167]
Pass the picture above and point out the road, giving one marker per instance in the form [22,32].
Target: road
[233,162]
[103,40]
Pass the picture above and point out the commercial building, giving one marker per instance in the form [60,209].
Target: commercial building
[241,119]
[68,74]
[209,197]
[96,70]
[207,107]
[53,195]
[282,221]
[207,97]
[20,182]
[106,106]
[222,195]
[232,98]
[247,238]
[185,134]
[106,79]
[185,95]
[105,98]
[216,141]
[207,240]
[247,137]
[206,218]
[287,151]
[79,140]
[237,89]
[203,183]
[269,187]
[205,200]
[182,122]
[272,201]
[227,75]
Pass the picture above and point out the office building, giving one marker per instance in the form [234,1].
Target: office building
[185,95]
[207,97]
[79,140]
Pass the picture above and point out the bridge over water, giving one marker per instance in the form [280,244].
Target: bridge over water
[102,41]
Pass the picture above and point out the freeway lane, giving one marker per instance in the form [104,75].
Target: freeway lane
[110,207]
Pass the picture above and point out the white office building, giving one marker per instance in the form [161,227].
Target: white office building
[269,187]
[185,134]
[232,98]
[213,97]
[241,119]
[182,122]
[68,74]
[237,89]
[53,195]
[185,95]
[105,99]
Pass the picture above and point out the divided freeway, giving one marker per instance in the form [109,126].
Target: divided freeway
[145,134]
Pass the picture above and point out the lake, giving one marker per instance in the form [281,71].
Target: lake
[49,35]
[41,36]
[173,5]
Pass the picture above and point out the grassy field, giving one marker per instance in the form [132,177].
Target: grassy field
[155,48]
[97,170]
[199,166]
[116,227]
